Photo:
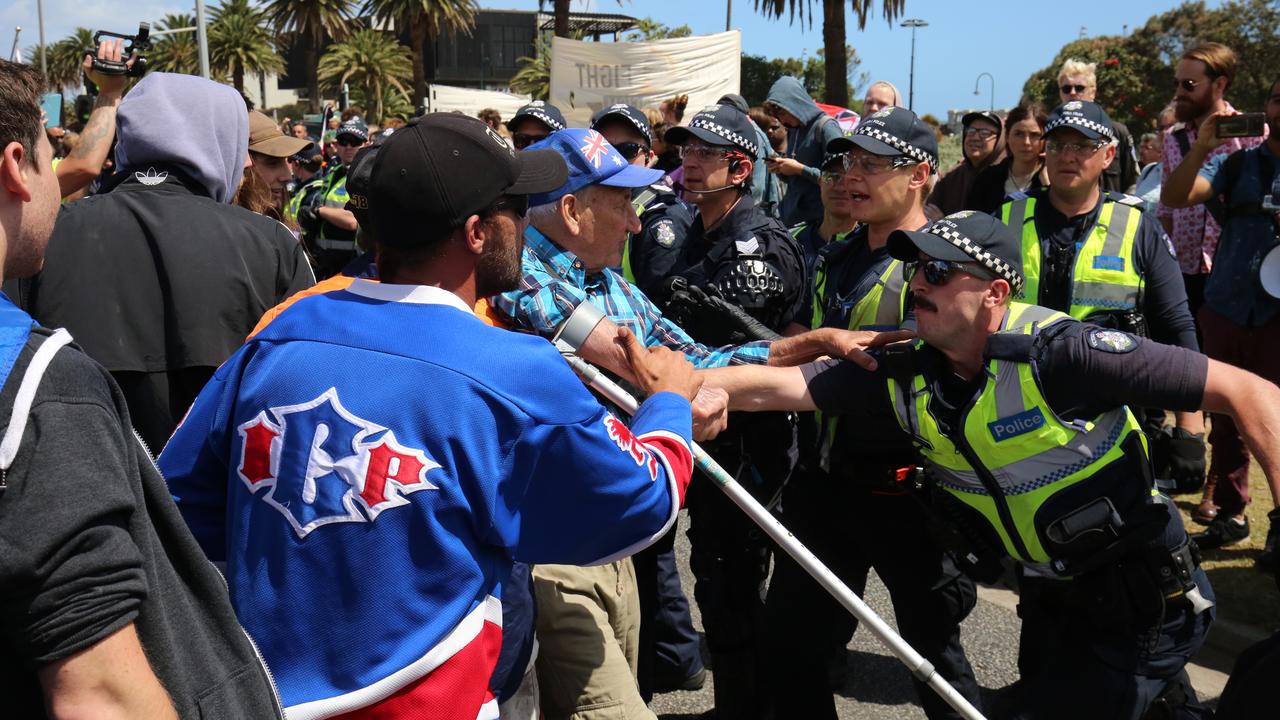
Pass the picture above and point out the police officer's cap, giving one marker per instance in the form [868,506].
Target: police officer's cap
[542,111]
[1085,117]
[355,127]
[442,168]
[892,131]
[626,113]
[966,236]
[723,125]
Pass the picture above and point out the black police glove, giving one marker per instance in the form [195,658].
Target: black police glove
[1186,460]
[710,319]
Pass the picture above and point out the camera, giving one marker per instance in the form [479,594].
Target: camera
[1243,125]
[139,44]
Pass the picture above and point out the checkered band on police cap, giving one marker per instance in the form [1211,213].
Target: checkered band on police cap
[949,232]
[898,144]
[706,121]
[1072,120]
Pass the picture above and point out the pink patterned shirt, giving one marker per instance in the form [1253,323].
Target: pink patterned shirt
[1195,232]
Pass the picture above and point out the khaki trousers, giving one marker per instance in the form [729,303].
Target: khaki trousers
[588,642]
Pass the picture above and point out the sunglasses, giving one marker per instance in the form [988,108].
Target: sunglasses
[524,140]
[345,141]
[940,272]
[518,204]
[1073,89]
[1187,85]
[630,150]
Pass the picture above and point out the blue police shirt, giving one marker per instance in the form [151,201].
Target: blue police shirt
[1233,288]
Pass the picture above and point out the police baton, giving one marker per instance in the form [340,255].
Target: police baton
[919,667]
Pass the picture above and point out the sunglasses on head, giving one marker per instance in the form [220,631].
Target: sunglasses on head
[630,150]
[1073,89]
[518,204]
[524,140]
[940,272]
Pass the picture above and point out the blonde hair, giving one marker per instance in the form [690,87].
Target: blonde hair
[1079,67]
[897,96]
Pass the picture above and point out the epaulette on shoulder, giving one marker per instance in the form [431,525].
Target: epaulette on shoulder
[1125,199]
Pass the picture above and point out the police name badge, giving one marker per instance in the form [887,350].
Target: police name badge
[665,234]
[1112,341]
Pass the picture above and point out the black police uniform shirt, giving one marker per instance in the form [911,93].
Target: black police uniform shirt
[1164,296]
[1084,370]
[746,230]
[664,224]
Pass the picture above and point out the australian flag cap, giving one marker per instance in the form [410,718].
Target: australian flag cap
[592,161]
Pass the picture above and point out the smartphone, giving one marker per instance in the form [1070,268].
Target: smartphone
[52,106]
[1244,125]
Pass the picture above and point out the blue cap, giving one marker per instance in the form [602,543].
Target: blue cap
[592,161]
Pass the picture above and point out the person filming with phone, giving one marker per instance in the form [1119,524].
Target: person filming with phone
[1240,320]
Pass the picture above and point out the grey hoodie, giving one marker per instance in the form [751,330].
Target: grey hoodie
[808,145]
[198,126]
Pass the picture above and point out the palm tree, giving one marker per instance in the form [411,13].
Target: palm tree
[64,58]
[425,20]
[311,21]
[239,41]
[178,52]
[374,61]
[833,33]
[534,76]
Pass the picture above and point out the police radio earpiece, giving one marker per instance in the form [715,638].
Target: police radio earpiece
[735,163]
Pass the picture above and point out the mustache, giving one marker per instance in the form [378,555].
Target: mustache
[924,303]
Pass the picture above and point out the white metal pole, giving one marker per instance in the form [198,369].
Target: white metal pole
[44,65]
[202,39]
[919,667]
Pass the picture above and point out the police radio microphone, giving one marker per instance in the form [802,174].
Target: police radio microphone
[680,187]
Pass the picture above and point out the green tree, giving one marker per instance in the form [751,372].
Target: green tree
[178,52]
[371,61]
[650,29]
[311,22]
[239,41]
[760,73]
[534,76]
[64,58]
[837,72]
[425,20]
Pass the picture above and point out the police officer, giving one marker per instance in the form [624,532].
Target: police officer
[835,223]
[1097,256]
[670,653]
[328,228]
[664,218]
[749,267]
[533,122]
[1020,414]
[852,499]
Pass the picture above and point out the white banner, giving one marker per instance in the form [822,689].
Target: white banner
[587,76]
[445,98]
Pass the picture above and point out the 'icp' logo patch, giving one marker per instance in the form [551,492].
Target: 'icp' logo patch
[1015,425]
[322,464]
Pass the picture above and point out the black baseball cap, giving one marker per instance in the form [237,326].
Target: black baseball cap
[965,236]
[358,180]
[735,100]
[540,110]
[629,113]
[442,168]
[723,125]
[1085,117]
[891,131]
[987,115]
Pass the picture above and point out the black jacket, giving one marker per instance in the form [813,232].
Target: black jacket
[159,283]
[92,541]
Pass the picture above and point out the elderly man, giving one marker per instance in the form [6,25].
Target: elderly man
[159,278]
[1020,413]
[1078,81]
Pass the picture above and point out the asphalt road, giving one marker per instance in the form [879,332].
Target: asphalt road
[878,686]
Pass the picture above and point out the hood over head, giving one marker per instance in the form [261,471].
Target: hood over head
[789,93]
[198,126]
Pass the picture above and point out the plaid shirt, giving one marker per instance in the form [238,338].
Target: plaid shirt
[1195,232]
[556,281]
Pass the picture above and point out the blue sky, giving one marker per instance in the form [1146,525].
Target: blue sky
[1006,38]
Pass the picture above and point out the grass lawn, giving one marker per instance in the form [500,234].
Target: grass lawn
[1245,595]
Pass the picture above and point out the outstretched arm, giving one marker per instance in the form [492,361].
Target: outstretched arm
[760,387]
[1254,404]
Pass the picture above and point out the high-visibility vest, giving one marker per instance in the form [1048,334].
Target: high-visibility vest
[1015,453]
[882,304]
[1103,278]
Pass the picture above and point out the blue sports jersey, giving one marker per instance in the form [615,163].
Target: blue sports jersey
[368,466]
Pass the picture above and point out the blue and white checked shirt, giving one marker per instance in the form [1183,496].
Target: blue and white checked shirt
[556,281]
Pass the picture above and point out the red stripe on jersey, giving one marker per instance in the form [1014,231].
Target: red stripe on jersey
[675,454]
[453,691]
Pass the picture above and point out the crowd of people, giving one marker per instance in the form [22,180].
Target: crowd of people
[325,364]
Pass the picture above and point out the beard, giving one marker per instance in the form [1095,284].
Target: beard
[1192,108]
[498,270]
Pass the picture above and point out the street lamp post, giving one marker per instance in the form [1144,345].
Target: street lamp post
[913,23]
[202,40]
[976,83]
